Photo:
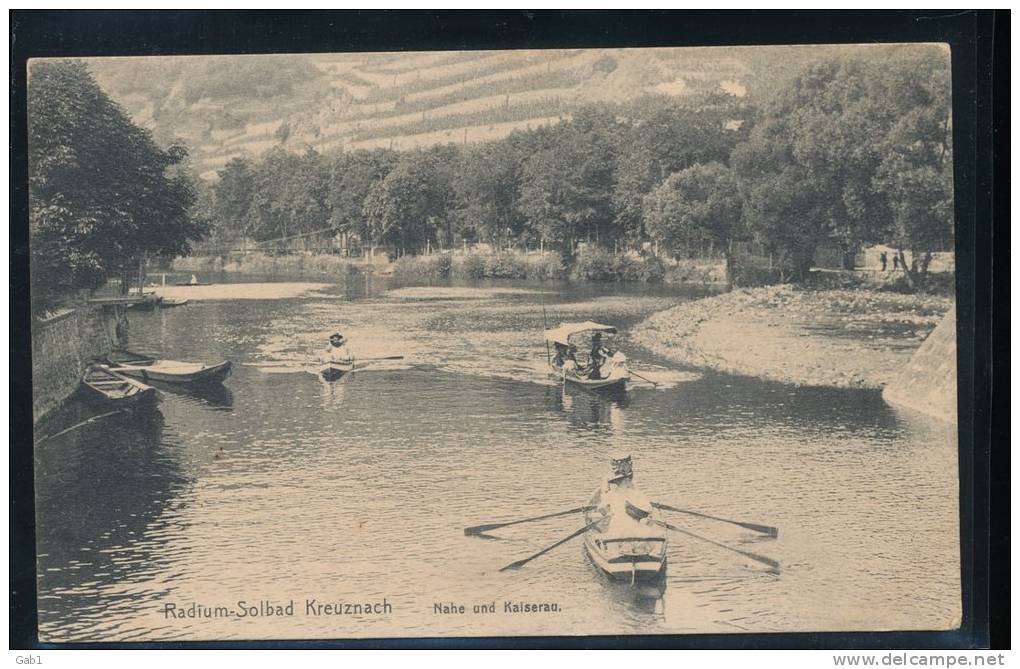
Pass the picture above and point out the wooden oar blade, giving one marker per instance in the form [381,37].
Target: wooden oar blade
[763,529]
[644,378]
[513,566]
[754,527]
[748,554]
[479,529]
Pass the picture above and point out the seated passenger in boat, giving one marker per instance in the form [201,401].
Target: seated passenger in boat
[561,354]
[566,358]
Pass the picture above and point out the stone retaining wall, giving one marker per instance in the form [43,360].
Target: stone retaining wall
[63,346]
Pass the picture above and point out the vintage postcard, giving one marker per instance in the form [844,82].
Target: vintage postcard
[494,343]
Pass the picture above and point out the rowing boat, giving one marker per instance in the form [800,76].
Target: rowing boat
[100,385]
[573,366]
[174,302]
[627,541]
[167,371]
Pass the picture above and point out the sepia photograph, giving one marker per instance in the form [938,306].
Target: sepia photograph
[501,343]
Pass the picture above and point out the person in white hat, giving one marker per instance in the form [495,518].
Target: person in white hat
[338,350]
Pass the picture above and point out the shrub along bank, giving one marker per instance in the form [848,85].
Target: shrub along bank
[507,265]
[593,265]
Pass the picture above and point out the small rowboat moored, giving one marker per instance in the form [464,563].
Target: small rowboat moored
[102,386]
[167,371]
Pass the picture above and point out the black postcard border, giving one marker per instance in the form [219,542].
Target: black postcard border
[980,59]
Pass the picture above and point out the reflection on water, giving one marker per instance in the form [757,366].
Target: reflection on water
[214,396]
[285,486]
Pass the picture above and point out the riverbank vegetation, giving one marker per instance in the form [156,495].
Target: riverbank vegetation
[853,152]
[102,193]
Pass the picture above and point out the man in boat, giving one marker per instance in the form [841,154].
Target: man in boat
[619,491]
[338,351]
[622,470]
[599,356]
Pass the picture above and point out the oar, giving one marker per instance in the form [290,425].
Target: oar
[764,529]
[479,529]
[572,535]
[388,357]
[644,378]
[754,556]
[77,425]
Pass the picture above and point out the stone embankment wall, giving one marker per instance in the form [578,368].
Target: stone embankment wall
[62,348]
[927,383]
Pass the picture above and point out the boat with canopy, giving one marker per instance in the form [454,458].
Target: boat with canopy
[572,361]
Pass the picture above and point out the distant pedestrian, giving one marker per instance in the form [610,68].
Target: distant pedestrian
[884,259]
[895,263]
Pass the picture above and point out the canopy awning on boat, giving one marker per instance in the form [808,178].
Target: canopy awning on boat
[565,331]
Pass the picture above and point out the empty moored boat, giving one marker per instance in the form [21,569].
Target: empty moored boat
[167,371]
[101,385]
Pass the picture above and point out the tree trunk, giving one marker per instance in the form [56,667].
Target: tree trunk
[909,271]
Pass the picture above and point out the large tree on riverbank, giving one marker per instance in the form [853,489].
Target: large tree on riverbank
[101,192]
[852,152]
[696,205]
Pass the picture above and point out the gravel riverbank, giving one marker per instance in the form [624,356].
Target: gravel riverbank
[844,338]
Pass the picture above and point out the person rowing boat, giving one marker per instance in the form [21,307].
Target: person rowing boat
[338,357]
[599,356]
[627,540]
[338,350]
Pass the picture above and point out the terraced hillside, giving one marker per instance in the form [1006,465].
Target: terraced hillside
[229,106]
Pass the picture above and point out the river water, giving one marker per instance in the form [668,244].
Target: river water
[282,487]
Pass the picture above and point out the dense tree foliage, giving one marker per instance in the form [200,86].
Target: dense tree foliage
[848,153]
[698,204]
[101,192]
[852,152]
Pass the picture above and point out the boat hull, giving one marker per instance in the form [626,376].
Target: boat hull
[335,370]
[626,543]
[632,568]
[618,377]
[180,373]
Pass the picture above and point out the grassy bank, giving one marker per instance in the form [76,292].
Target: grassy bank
[851,338]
